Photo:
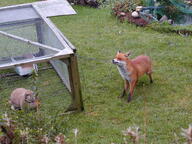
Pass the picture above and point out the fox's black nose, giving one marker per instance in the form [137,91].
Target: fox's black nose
[113,61]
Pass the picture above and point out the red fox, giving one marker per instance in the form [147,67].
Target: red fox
[131,70]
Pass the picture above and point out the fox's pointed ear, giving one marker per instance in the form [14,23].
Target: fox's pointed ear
[128,54]
[118,51]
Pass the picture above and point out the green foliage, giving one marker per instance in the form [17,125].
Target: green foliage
[54,100]
[36,125]
[167,28]
[40,124]
[169,9]
[128,4]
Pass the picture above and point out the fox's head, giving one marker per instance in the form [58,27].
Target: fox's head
[121,58]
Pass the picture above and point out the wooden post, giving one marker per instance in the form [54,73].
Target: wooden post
[77,102]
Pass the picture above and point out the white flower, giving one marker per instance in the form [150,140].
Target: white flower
[24,133]
[45,139]
[133,132]
[187,133]
[6,119]
[60,139]
[75,131]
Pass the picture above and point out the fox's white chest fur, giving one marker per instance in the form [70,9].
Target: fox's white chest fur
[123,72]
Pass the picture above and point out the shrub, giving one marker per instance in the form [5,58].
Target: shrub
[123,10]
[170,10]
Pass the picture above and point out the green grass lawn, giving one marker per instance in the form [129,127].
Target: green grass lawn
[165,105]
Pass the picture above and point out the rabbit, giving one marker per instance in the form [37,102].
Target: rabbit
[21,97]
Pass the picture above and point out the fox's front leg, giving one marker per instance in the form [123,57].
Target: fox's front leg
[131,90]
[126,86]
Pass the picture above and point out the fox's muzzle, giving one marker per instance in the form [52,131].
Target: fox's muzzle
[114,61]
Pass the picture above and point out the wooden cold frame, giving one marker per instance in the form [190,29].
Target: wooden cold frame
[77,102]
[67,54]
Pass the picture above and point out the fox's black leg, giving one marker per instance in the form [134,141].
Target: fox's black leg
[122,94]
[132,86]
[129,98]
[126,86]
[150,78]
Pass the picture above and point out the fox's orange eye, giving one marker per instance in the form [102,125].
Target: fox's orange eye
[119,58]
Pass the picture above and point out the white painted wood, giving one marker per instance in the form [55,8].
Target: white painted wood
[48,8]
[17,14]
[16,6]
[51,8]
[34,60]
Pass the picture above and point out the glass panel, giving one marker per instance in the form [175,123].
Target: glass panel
[25,30]
[17,14]
[62,70]
[12,49]
[49,37]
